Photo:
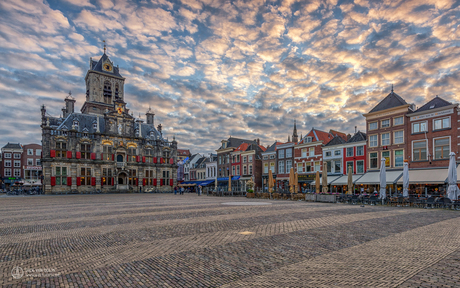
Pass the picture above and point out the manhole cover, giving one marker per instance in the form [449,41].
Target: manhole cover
[247,203]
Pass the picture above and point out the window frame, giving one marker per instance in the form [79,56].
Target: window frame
[352,151]
[434,147]
[389,139]
[442,123]
[399,117]
[375,122]
[419,123]
[370,160]
[389,158]
[426,149]
[376,140]
[394,157]
[360,154]
[381,123]
[394,137]
[352,166]
[360,161]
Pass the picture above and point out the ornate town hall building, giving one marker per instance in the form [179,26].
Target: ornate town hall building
[104,147]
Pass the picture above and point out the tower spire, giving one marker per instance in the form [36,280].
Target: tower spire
[105,48]
[295,137]
[391,88]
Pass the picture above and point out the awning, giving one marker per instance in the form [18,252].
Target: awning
[343,180]
[373,178]
[426,176]
[329,180]
[222,179]
[205,183]
[234,178]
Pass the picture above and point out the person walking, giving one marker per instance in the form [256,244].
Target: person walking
[175,190]
[182,191]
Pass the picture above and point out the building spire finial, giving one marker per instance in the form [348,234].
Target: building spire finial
[105,48]
[391,88]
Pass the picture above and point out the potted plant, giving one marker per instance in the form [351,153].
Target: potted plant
[250,191]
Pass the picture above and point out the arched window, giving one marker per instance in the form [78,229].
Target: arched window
[107,92]
[116,91]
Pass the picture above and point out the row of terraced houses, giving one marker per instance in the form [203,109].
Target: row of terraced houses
[396,131]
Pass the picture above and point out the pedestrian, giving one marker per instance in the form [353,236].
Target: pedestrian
[175,190]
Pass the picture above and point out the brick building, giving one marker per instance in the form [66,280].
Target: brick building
[12,171]
[31,163]
[269,163]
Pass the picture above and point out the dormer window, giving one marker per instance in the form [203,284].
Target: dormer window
[152,134]
[308,139]
[75,124]
[95,126]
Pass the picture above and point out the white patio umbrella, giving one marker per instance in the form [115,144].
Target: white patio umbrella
[383,180]
[406,179]
[452,177]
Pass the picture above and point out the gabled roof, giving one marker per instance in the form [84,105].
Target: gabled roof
[12,146]
[272,148]
[263,148]
[183,152]
[235,142]
[337,140]
[338,133]
[390,101]
[318,135]
[242,147]
[358,137]
[436,102]
[97,66]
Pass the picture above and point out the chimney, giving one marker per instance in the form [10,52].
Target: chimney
[150,117]
[258,141]
[64,112]
[355,128]
[69,104]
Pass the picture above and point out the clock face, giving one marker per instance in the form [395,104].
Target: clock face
[107,67]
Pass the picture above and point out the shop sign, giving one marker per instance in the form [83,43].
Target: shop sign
[307,177]
[431,115]
[33,167]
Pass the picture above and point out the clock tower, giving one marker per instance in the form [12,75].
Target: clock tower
[104,86]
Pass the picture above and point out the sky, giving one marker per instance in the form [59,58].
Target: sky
[210,69]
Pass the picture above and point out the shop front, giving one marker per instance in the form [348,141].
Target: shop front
[340,185]
[305,181]
[10,181]
[370,182]
[426,182]
[330,179]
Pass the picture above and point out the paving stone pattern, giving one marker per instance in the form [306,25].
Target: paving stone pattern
[161,240]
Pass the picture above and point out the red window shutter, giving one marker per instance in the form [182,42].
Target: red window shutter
[113,157]
[143,159]
[144,182]
[171,182]
[78,181]
[53,153]
[155,160]
[78,155]
[162,160]
[138,158]
[171,161]
[53,181]
[93,181]
[137,182]
[69,181]
[161,182]
[93,156]
[113,180]
[69,154]
[155,182]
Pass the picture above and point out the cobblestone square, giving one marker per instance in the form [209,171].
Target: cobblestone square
[165,240]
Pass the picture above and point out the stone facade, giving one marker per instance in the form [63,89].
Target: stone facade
[105,148]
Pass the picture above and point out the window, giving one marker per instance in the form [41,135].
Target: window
[237,170]
[373,141]
[386,123]
[350,164]
[337,166]
[245,170]
[30,151]
[237,158]
[337,152]
[288,166]
[329,166]
[311,152]
[250,169]
[419,127]
[132,176]
[85,176]
[75,123]
[308,139]
[7,163]
[299,167]
[304,153]
[107,175]
[281,154]
[17,156]
[30,162]
[17,172]
[38,152]
[308,167]
[95,127]
[328,153]
[419,150]
[61,149]
[441,148]
[317,166]
[107,152]
[17,163]
[85,150]
[373,125]
[265,168]
[386,155]
[399,137]
[349,151]
[399,158]
[265,158]
[359,150]
[132,154]
[373,160]
[7,155]
[7,172]
[250,158]
[233,170]
[289,153]
[220,161]
[244,159]
[272,156]
[148,155]
[360,166]
[385,139]
[39,163]
[272,167]
[398,121]
[443,123]
[281,167]
[61,175]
